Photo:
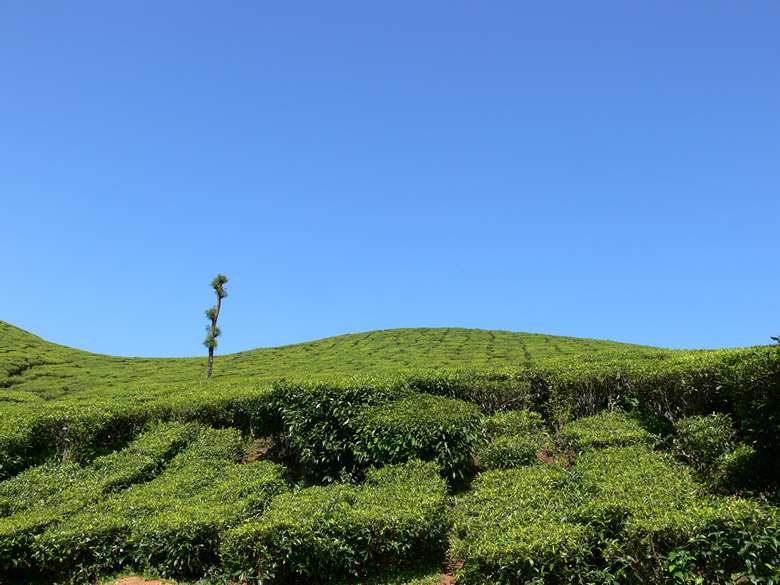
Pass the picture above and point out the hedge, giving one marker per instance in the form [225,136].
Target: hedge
[516,525]
[623,514]
[444,430]
[320,421]
[334,532]
[605,430]
[85,428]
[173,524]
[45,495]
[514,438]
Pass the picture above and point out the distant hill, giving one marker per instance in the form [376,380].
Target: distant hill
[31,364]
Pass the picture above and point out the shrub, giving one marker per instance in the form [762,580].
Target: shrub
[52,493]
[624,514]
[605,430]
[517,525]
[507,452]
[752,385]
[491,390]
[340,530]
[320,421]
[514,423]
[172,524]
[83,429]
[650,519]
[514,439]
[702,440]
[430,428]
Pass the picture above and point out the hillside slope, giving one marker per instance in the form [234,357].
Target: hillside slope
[31,364]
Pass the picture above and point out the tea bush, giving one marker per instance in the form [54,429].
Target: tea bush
[514,423]
[514,438]
[171,524]
[752,386]
[702,440]
[644,511]
[320,420]
[624,514]
[605,430]
[83,429]
[444,430]
[493,390]
[50,493]
[331,533]
[517,525]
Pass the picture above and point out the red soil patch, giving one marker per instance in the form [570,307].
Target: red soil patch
[257,451]
[561,458]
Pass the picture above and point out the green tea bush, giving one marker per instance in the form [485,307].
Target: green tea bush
[172,524]
[752,386]
[518,525]
[338,531]
[649,519]
[507,452]
[514,438]
[604,430]
[623,515]
[702,440]
[493,390]
[670,385]
[666,384]
[320,421]
[54,485]
[182,537]
[709,445]
[514,423]
[430,428]
[83,429]
[48,494]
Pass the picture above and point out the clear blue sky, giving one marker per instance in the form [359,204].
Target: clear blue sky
[602,169]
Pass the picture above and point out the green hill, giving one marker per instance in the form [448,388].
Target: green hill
[375,458]
[31,364]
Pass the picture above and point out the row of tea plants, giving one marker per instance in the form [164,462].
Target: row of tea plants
[615,471]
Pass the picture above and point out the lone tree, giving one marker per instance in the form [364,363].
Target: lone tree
[212,331]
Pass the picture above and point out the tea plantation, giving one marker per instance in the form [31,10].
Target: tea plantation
[392,457]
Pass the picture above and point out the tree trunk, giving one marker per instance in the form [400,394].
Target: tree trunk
[211,361]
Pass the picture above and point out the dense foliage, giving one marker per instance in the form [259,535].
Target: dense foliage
[329,533]
[444,430]
[605,464]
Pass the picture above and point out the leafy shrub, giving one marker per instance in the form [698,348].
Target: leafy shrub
[517,525]
[83,429]
[320,421]
[491,390]
[48,494]
[647,516]
[702,440]
[605,430]
[514,423]
[624,514]
[752,387]
[514,439]
[338,531]
[430,428]
[172,524]
[507,452]
[17,443]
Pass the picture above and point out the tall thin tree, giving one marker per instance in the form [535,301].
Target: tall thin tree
[212,331]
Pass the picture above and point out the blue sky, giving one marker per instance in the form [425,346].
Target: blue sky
[604,169]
